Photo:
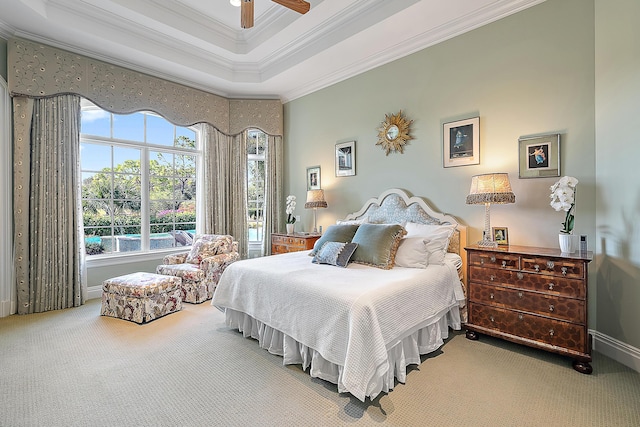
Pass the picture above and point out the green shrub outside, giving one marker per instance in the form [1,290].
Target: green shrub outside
[131,224]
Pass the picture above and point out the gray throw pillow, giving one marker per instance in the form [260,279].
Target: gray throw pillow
[335,253]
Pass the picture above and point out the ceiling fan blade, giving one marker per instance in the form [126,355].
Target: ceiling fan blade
[246,14]
[299,6]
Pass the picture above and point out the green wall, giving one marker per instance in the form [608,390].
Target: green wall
[530,73]
[617,97]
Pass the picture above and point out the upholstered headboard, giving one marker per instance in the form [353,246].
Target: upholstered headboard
[396,206]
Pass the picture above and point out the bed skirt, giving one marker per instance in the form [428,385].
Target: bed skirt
[406,352]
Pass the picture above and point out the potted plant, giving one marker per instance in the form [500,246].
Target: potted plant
[291,207]
[563,198]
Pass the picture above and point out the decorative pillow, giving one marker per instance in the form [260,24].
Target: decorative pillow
[335,233]
[412,253]
[208,245]
[377,244]
[437,236]
[351,221]
[335,253]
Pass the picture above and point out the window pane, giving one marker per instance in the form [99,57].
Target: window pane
[162,212]
[129,127]
[160,164]
[95,121]
[185,189]
[161,188]
[95,157]
[159,131]
[126,159]
[186,134]
[186,165]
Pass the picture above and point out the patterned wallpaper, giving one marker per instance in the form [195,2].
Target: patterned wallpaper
[37,70]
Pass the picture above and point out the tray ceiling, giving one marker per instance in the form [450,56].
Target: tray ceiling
[285,55]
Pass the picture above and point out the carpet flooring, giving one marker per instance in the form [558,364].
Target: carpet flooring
[75,368]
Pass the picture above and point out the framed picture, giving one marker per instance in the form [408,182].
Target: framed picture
[500,235]
[461,142]
[313,178]
[346,158]
[539,156]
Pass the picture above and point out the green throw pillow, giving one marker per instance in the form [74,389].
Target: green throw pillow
[377,244]
[335,233]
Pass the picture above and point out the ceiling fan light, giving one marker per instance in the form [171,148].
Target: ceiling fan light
[235,3]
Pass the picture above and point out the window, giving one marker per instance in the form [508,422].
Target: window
[256,143]
[138,182]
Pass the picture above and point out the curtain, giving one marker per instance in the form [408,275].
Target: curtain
[225,185]
[48,234]
[274,200]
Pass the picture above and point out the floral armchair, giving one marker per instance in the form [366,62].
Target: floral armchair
[201,268]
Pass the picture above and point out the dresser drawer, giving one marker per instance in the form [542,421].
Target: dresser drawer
[557,307]
[283,243]
[494,259]
[556,267]
[522,325]
[536,282]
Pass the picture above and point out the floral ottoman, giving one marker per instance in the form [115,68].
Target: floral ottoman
[141,297]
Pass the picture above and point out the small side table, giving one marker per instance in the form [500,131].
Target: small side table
[284,243]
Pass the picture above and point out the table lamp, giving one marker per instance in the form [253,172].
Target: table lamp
[486,189]
[315,200]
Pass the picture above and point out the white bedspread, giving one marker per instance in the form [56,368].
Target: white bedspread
[350,316]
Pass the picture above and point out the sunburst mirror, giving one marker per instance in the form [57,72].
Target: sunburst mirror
[393,132]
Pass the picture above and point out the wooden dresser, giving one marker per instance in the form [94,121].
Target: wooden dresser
[283,243]
[532,296]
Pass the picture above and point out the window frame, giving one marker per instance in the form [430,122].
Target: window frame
[145,147]
[255,245]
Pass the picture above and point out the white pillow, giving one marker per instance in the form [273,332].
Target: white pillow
[412,253]
[438,237]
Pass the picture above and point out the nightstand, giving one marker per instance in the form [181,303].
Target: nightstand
[531,296]
[283,243]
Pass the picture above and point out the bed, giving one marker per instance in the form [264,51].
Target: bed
[358,327]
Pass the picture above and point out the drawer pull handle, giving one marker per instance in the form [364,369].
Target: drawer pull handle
[492,277]
[551,307]
[551,285]
[493,258]
[551,332]
[481,261]
[520,276]
[520,294]
[491,295]
[564,271]
[537,268]
[504,264]
[492,319]
[520,317]
[550,265]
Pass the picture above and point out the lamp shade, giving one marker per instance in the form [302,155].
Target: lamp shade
[490,188]
[315,199]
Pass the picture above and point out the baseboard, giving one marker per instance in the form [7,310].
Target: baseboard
[6,309]
[617,350]
[94,292]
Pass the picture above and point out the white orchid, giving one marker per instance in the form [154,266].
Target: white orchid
[291,207]
[563,198]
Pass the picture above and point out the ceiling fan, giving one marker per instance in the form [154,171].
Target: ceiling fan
[246,10]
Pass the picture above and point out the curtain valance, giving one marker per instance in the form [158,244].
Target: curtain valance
[36,70]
